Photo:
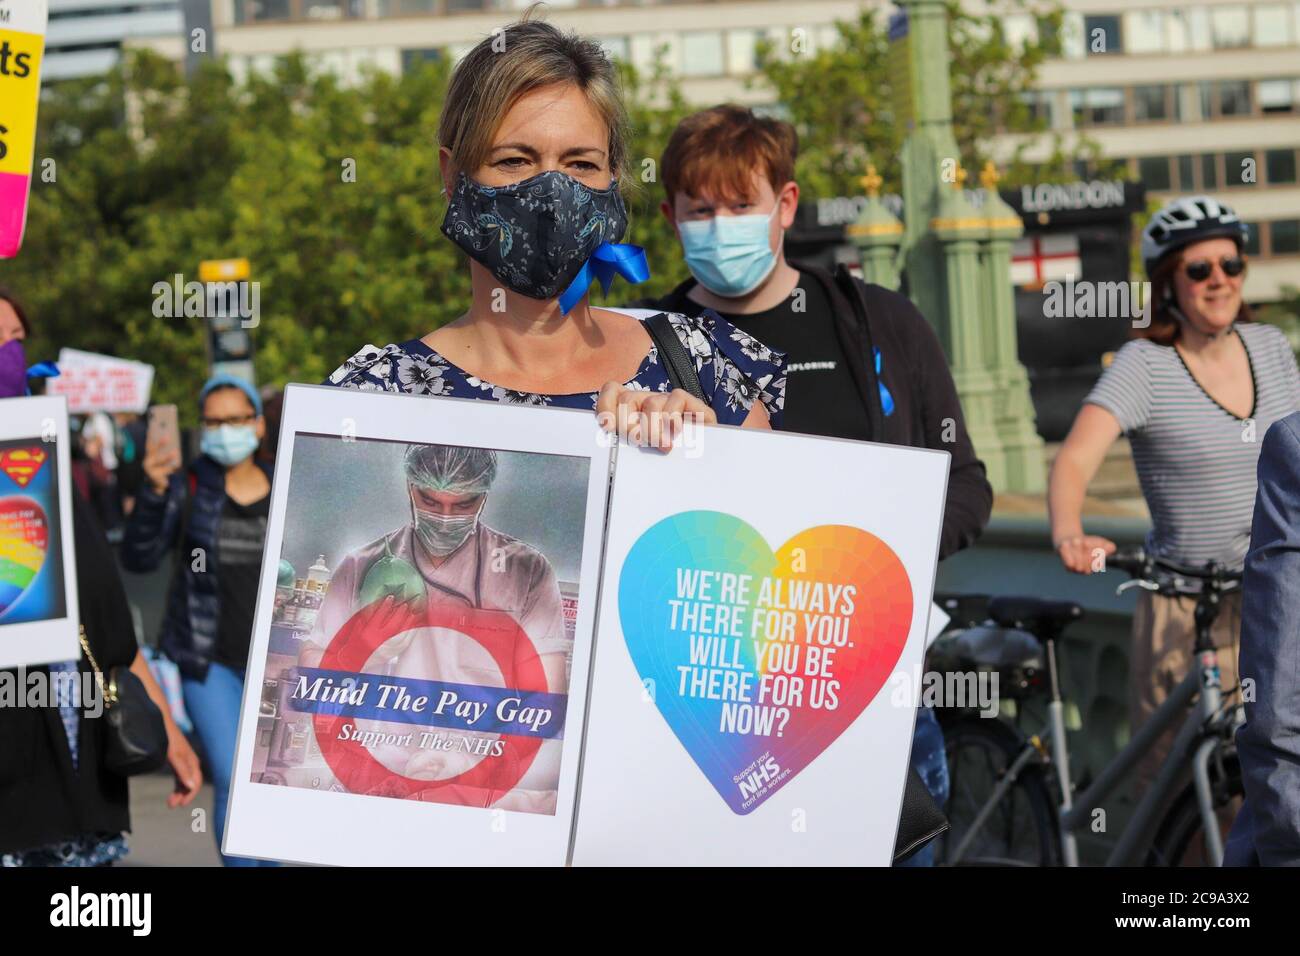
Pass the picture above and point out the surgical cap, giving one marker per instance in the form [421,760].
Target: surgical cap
[451,468]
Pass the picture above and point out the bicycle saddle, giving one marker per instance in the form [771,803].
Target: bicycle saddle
[1041,618]
[998,647]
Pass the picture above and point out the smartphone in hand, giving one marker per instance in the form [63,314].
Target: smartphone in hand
[164,430]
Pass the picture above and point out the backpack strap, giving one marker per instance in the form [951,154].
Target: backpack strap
[677,361]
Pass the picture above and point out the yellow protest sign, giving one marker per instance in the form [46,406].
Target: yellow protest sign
[22,41]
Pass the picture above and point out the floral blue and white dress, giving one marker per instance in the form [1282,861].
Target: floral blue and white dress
[735,370]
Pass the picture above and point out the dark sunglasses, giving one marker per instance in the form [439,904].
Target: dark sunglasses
[1198,270]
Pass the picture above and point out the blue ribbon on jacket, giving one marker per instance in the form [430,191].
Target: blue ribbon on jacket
[608,260]
[886,400]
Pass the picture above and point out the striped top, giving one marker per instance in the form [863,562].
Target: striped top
[1195,459]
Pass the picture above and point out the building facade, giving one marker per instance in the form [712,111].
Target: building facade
[1202,97]
[85,36]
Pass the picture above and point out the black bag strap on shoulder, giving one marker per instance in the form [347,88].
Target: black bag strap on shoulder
[677,361]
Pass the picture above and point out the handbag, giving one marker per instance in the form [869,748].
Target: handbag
[920,819]
[135,741]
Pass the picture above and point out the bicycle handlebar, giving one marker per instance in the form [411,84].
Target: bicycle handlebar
[1169,576]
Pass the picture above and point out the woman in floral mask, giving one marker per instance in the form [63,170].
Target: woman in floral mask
[533,147]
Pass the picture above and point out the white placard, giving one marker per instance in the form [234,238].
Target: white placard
[762,593]
[101,383]
[438,782]
[38,568]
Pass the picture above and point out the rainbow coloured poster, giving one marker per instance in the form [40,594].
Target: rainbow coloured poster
[31,583]
[763,617]
[761,659]
[22,43]
[38,614]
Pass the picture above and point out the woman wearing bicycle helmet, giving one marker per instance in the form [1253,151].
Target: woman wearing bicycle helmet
[1194,391]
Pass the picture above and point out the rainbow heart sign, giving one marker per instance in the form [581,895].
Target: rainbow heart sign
[24,541]
[759,659]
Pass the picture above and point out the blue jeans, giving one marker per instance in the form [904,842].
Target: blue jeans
[931,762]
[213,706]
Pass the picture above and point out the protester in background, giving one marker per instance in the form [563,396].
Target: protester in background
[1192,390]
[132,432]
[212,515]
[94,469]
[731,194]
[533,139]
[58,805]
[272,409]
[13,320]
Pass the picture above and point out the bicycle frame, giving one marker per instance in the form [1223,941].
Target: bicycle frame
[1193,744]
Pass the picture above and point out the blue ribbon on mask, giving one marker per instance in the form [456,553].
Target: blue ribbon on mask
[608,260]
[41,370]
[886,400]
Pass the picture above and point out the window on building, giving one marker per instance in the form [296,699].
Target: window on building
[1098,106]
[1209,171]
[742,52]
[1153,171]
[1102,34]
[1251,248]
[1144,31]
[402,8]
[702,54]
[1186,172]
[1018,29]
[1285,234]
[1040,104]
[1234,97]
[649,48]
[1189,30]
[1273,26]
[325,10]
[1276,96]
[413,58]
[1230,27]
[1239,169]
[1279,166]
[266,10]
[615,47]
[1074,41]
[1205,89]
[1152,103]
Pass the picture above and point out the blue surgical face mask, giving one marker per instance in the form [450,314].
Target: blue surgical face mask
[229,444]
[731,256]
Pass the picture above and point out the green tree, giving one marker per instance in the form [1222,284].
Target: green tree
[841,99]
[331,192]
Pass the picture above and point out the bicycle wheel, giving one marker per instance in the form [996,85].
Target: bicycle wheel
[1021,830]
[1180,839]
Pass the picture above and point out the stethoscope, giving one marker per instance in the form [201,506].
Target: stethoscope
[477,603]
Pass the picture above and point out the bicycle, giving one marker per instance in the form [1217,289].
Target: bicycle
[1012,799]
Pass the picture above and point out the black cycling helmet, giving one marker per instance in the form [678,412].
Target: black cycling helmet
[1187,220]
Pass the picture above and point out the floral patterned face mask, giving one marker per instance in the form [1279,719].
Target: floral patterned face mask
[535,235]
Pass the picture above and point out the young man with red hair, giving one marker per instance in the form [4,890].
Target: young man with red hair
[731,194]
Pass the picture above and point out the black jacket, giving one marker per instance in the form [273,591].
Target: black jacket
[155,530]
[43,799]
[915,370]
